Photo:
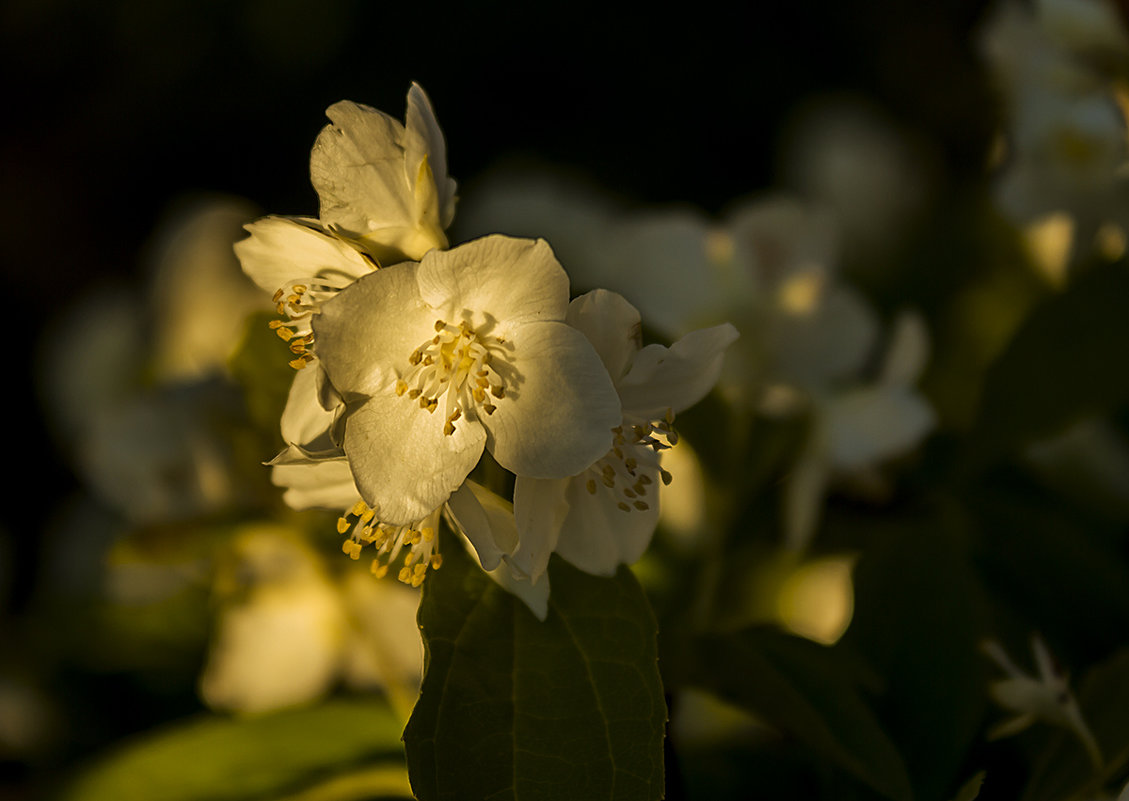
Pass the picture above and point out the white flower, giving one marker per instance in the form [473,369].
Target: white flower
[463,350]
[604,515]
[382,184]
[1045,698]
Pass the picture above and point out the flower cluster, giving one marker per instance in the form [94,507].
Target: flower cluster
[414,359]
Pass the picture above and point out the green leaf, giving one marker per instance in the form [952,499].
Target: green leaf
[806,691]
[215,758]
[920,613]
[515,708]
[1066,362]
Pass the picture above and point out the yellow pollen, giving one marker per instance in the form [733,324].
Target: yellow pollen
[609,481]
[379,570]
[417,580]
[277,296]
[352,549]
[666,477]
[284,333]
[624,506]
[342,525]
[428,534]
[641,506]
[401,387]
[436,561]
[630,493]
[300,289]
[644,479]
[591,487]
[405,575]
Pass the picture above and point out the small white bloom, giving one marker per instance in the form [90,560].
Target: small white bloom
[606,514]
[1046,698]
[463,350]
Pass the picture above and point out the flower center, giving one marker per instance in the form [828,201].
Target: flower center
[389,541]
[626,469]
[455,367]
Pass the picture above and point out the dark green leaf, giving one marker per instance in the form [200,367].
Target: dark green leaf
[1066,362]
[214,758]
[515,708]
[919,617]
[804,690]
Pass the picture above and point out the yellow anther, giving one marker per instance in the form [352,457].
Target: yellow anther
[591,487]
[644,479]
[284,333]
[630,463]
[618,453]
[639,488]
[273,324]
[436,561]
[448,428]
[342,525]
[666,477]
[351,548]
[489,407]
[277,296]
[294,300]
[672,437]
[414,393]
[498,391]
[432,405]
[479,395]
[367,534]
[300,289]
[401,387]
[298,346]
[359,508]
[379,570]
[416,537]
[405,575]
[280,308]
[423,401]
[624,506]
[428,534]
[301,361]
[416,357]
[630,493]
[609,471]
[609,481]
[411,557]
[420,569]
[440,325]
[641,506]
[417,579]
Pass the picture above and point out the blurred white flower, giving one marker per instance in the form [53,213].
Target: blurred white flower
[605,515]
[288,630]
[1065,129]
[1043,698]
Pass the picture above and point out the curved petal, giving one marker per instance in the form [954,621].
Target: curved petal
[560,405]
[612,325]
[540,509]
[908,352]
[325,484]
[284,250]
[404,466]
[534,596]
[305,422]
[867,425]
[830,343]
[485,520]
[509,280]
[676,377]
[366,332]
[425,139]
[598,535]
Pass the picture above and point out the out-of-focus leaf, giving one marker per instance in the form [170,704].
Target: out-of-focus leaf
[214,758]
[260,366]
[1066,362]
[919,616]
[804,690]
[1062,770]
[515,708]
[970,791]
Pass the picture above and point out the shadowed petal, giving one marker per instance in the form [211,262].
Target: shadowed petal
[540,508]
[557,418]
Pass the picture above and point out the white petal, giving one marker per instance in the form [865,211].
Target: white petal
[326,484]
[868,425]
[283,250]
[678,377]
[540,509]
[365,334]
[598,536]
[612,325]
[908,352]
[404,466]
[830,343]
[510,280]
[560,405]
[486,520]
[305,422]
[534,596]
[425,138]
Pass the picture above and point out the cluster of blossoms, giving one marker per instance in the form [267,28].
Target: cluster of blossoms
[414,358]
[811,345]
